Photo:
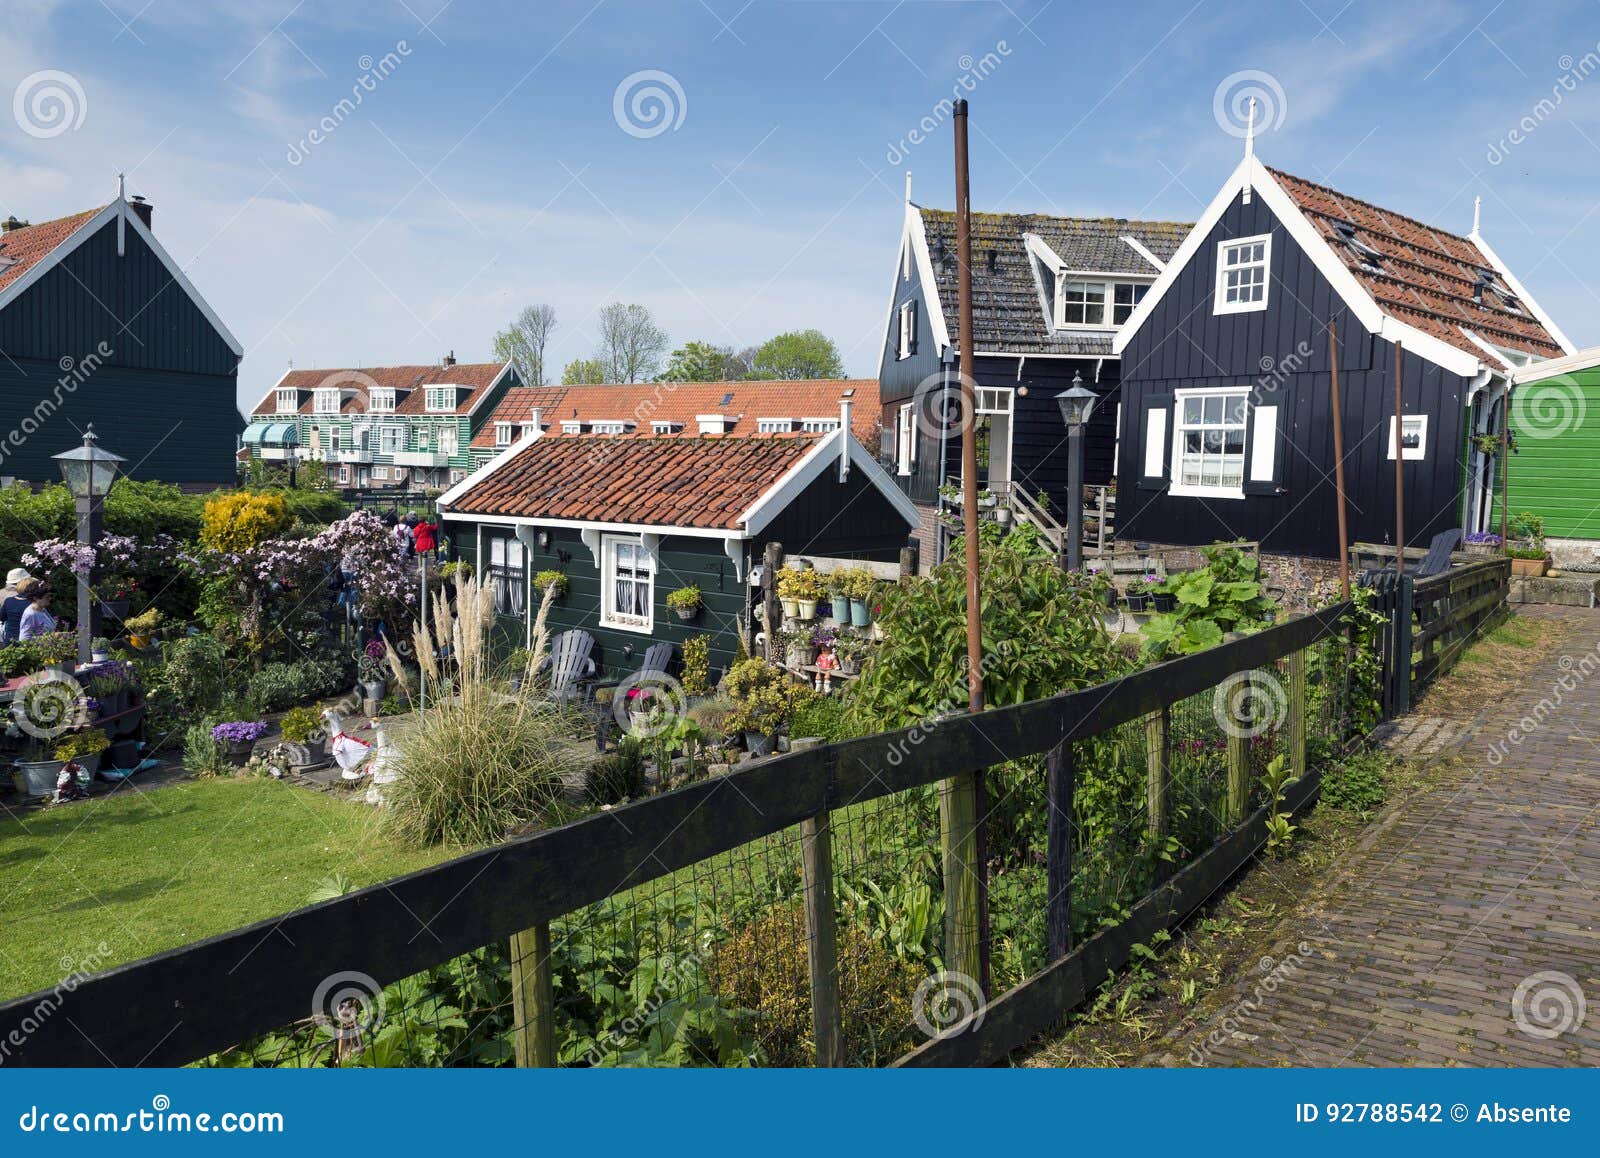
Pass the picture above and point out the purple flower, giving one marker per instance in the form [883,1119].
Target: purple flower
[239,732]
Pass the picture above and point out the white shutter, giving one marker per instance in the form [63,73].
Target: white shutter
[1264,445]
[1155,442]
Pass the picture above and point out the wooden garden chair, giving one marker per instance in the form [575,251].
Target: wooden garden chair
[571,665]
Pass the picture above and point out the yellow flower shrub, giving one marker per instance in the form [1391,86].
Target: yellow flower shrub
[239,520]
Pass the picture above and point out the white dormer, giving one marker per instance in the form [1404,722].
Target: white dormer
[327,400]
[663,426]
[819,425]
[1089,301]
[713,423]
[571,426]
[774,425]
[502,434]
[288,401]
[611,427]
[381,400]
[442,399]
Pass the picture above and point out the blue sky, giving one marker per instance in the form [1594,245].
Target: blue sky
[488,168]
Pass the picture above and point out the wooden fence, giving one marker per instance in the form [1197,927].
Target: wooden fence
[199,999]
[1430,621]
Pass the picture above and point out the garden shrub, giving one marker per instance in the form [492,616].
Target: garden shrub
[241,520]
[823,716]
[762,967]
[1357,783]
[1225,595]
[196,677]
[281,685]
[618,776]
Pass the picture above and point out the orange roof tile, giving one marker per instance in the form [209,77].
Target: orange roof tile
[647,402]
[26,247]
[1425,277]
[698,481]
[475,376]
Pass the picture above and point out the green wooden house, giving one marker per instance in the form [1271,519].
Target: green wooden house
[405,429]
[1554,471]
[100,324]
[628,519]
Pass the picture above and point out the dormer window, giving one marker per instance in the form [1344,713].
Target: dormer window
[1242,266]
[327,401]
[713,423]
[1090,304]
[774,425]
[609,427]
[441,399]
[382,401]
[819,425]
[288,401]
[570,427]
[660,427]
[502,434]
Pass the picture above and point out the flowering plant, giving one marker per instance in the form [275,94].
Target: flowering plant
[239,732]
[56,647]
[1488,538]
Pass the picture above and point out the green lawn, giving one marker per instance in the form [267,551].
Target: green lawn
[143,872]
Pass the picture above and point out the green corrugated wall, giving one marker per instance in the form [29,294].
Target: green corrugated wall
[1556,470]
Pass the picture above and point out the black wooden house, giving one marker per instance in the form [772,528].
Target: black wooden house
[1048,295]
[1226,423]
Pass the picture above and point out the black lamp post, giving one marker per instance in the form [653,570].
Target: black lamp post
[1076,402]
[89,472]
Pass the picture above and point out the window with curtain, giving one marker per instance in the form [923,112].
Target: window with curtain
[627,583]
[1209,453]
[507,575]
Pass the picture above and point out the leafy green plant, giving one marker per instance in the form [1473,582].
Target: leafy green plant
[1522,551]
[1358,783]
[300,724]
[19,658]
[1225,595]
[545,580]
[202,755]
[696,674]
[798,583]
[765,698]
[1276,780]
[823,716]
[56,647]
[617,776]
[145,623]
[89,742]
[1526,525]
[684,599]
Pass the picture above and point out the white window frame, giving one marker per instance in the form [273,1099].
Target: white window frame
[508,574]
[907,331]
[996,400]
[391,438]
[326,401]
[774,426]
[905,444]
[457,475]
[381,400]
[441,399]
[608,428]
[1219,304]
[1177,486]
[449,439]
[502,434]
[1407,421]
[609,615]
[288,401]
[381,472]
[819,425]
[570,427]
[1064,282]
[1108,287]
[665,427]
[344,473]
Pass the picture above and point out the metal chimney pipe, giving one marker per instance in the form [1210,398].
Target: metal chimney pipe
[844,439]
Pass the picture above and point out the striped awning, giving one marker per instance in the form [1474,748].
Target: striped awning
[272,434]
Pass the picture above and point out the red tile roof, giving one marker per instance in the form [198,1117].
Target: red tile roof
[647,402]
[698,481]
[1422,276]
[475,376]
[28,246]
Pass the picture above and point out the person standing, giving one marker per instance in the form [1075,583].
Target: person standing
[12,607]
[37,620]
[14,579]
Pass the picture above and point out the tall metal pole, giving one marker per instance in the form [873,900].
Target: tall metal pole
[1505,466]
[1075,497]
[1338,458]
[1399,468]
[969,412]
[88,509]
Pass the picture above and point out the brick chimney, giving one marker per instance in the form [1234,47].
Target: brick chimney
[142,209]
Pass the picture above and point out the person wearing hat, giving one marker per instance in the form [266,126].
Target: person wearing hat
[37,620]
[18,585]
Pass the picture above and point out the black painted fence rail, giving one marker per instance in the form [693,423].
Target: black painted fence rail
[187,1003]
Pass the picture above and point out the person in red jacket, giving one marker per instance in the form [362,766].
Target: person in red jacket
[426,536]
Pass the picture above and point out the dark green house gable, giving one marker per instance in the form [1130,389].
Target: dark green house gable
[119,340]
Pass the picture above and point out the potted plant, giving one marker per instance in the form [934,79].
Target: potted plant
[1482,543]
[685,601]
[369,668]
[951,494]
[1138,593]
[1487,443]
[238,738]
[987,499]
[56,650]
[302,729]
[1528,561]
[141,627]
[545,580]
[37,770]
[100,649]
[109,685]
[83,747]
[797,648]
[1164,595]
[1002,515]
[851,647]
[765,701]
[800,590]
[860,586]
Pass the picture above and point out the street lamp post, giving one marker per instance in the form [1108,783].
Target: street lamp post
[1076,402]
[89,472]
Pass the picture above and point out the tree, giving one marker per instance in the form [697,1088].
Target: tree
[703,362]
[522,343]
[797,354]
[582,371]
[631,344]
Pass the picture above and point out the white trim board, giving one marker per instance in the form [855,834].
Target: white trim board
[1527,299]
[1252,173]
[930,287]
[1551,367]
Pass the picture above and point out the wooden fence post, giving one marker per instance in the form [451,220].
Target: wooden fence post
[1059,774]
[1156,728]
[958,839]
[816,844]
[772,611]
[1239,720]
[1296,662]
[1401,655]
[533,1005]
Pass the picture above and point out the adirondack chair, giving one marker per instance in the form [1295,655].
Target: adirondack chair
[1439,550]
[571,665]
[657,658]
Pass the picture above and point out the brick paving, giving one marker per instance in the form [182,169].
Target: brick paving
[1415,950]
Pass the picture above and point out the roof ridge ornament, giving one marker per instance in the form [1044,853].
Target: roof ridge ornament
[1477,210]
[1249,146]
